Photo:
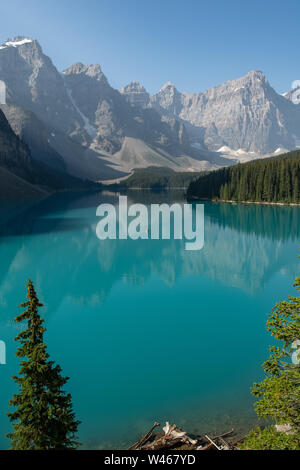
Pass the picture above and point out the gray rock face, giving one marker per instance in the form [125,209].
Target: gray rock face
[78,116]
[76,121]
[293,95]
[169,99]
[31,131]
[242,114]
[33,83]
[14,154]
[20,173]
[104,110]
[136,95]
[34,86]
[114,115]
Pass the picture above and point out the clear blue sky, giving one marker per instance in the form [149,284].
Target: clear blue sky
[193,43]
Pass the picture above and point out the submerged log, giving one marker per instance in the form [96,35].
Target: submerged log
[212,442]
[144,438]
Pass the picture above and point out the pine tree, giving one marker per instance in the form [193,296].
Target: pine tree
[279,393]
[273,179]
[43,417]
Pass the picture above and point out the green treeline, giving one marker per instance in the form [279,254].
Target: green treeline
[156,178]
[275,179]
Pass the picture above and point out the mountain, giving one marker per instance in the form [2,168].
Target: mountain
[80,122]
[14,154]
[136,94]
[244,114]
[17,173]
[294,94]
[14,187]
[33,132]
[77,124]
[111,116]
[33,83]
[20,173]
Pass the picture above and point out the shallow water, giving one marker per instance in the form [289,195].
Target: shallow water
[146,330]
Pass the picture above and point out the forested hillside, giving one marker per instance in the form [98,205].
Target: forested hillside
[268,180]
[157,178]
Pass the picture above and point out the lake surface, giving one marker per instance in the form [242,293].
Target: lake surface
[146,330]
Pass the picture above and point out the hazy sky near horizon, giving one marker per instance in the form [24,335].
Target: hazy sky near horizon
[193,43]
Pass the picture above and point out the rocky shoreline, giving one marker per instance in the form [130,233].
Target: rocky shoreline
[266,203]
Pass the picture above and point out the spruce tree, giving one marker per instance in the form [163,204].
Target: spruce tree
[273,179]
[279,393]
[43,416]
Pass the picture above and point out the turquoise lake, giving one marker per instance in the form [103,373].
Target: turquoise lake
[145,330]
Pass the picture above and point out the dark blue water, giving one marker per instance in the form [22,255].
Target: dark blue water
[146,330]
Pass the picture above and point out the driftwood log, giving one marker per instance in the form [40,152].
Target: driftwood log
[214,442]
[144,438]
[174,437]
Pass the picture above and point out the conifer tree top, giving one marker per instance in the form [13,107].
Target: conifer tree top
[43,418]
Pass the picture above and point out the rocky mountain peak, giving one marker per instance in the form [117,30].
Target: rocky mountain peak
[16,42]
[74,69]
[169,99]
[133,87]
[136,94]
[256,75]
[293,95]
[169,91]
[168,86]
[92,71]
[245,113]
[80,110]
[34,83]
[255,78]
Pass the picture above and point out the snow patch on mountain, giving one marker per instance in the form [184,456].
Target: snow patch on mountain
[280,151]
[242,156]
[87,125]
[227,150]
[237,156]
[16,42]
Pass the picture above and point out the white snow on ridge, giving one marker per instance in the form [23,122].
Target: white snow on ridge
[243,152]
[87,125]
[225,149]
[16,43]
[240,155]
[229,151]
[280,151]
[243,156]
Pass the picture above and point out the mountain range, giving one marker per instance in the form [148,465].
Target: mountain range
[75,125]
